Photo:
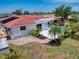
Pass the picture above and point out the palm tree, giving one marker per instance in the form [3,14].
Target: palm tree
[53,32]
[63,11]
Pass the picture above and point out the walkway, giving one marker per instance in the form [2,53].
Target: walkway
[26,40]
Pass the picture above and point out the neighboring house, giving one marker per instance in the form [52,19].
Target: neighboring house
[3,40]
[3,18]
[23,25]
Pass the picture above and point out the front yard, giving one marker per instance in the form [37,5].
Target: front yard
[68,50]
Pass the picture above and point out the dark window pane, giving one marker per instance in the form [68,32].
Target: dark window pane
[39,25]
[22,28]
[55,21]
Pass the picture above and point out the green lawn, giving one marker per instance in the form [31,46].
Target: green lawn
[68,50]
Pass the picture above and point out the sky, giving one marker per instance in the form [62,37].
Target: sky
[7,6]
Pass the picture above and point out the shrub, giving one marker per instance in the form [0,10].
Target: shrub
[36,32]
[74,19]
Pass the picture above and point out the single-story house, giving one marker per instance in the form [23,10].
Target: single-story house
[23,25]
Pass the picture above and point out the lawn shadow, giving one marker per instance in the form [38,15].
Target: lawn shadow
[55,42]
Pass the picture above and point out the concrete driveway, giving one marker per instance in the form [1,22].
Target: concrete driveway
[25,40]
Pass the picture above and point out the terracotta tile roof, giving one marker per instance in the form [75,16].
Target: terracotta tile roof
[23,20]
[29,19]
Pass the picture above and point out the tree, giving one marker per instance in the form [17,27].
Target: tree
[53,32]
[72,27]
[63,11]
[75,12]
[38,13]
[18,12]
[26,13]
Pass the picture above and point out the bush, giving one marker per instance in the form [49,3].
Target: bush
[11,55]
[36,32]
[76,36]
[74,19]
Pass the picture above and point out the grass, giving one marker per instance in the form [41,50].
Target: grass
[68,50]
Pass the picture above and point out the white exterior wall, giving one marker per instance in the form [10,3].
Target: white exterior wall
[17,33]
[44,22]
[45,26]
[3,43]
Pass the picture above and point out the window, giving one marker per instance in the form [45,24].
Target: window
[8,29]
[22,28]
[39,25]
[48,24]
[55,21]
